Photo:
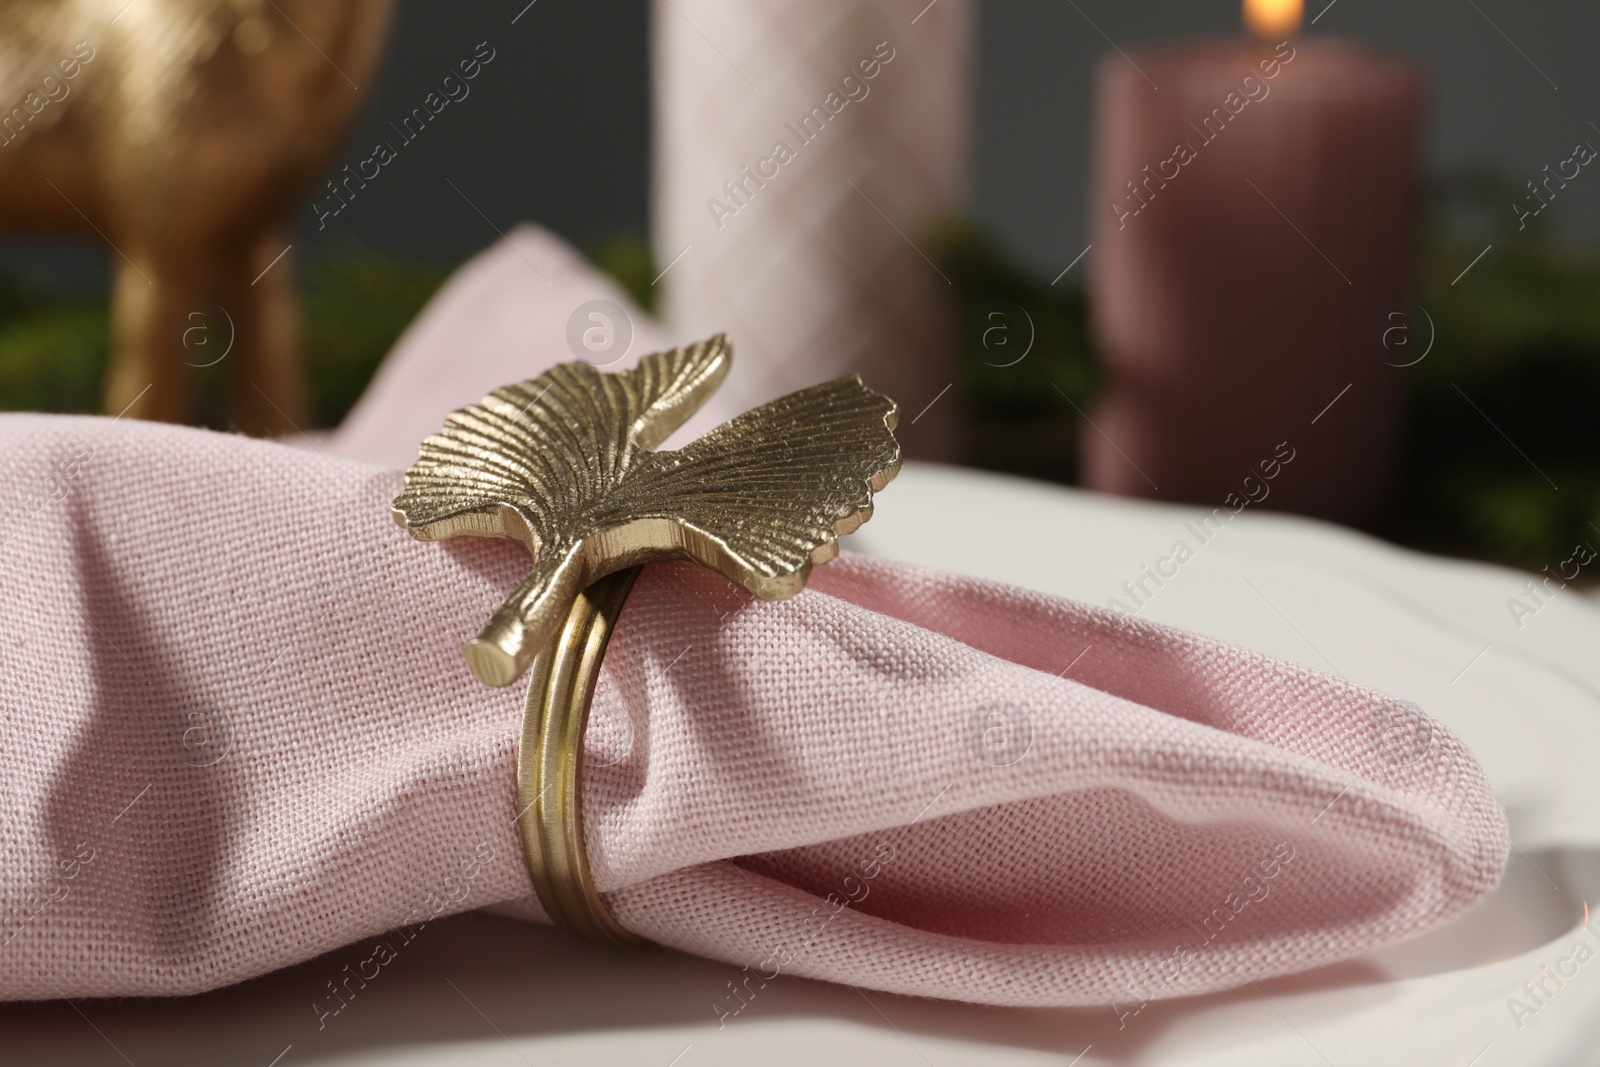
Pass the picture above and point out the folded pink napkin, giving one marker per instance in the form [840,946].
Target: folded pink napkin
[511,312]
[238,732]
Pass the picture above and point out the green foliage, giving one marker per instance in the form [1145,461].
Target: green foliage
[1002,382]
[1504,409]
[1503,453]
[52,349]
[1506,403]
[628,259]
[1026,357]
[355,305]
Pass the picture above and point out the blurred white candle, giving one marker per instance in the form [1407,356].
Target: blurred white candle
[800,150]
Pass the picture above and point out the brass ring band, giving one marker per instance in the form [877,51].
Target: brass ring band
[550,763]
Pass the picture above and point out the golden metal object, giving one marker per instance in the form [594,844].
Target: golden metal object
[564,465]
[550,763]
[185,134]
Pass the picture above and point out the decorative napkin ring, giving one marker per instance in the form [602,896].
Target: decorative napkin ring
[564,464]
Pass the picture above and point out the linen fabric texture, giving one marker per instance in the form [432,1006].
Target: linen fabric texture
[239,732]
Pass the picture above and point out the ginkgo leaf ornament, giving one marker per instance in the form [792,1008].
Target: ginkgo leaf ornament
[564,463]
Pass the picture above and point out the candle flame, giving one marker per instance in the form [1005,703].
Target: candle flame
[1272,19]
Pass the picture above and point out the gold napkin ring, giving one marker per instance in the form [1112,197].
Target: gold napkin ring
[565,465]
[550,762]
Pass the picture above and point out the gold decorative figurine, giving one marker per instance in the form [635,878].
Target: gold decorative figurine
[185,134]
[564,464]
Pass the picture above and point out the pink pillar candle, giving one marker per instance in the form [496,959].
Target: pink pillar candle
[1252,210]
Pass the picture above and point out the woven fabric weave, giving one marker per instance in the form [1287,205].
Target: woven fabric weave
[239,733]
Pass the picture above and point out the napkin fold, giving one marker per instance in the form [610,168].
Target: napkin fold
[239,733]
[509,313]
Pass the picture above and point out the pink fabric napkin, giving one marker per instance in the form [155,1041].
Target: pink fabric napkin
[513,311]
[238,732]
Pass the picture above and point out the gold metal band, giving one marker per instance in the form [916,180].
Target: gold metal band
[566,464]
[550,763]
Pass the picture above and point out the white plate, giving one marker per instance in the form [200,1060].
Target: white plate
[482,990]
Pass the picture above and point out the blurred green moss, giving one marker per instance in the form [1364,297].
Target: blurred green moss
[52,350]
[627,258]
[1502,454]
[355,305]
[1502,450]
[1003,377]
[1026,356]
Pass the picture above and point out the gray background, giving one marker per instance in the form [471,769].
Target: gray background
[557,127]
